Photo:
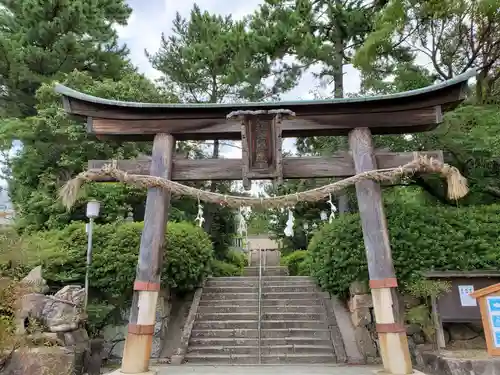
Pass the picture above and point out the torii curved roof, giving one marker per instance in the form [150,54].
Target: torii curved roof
[406,112]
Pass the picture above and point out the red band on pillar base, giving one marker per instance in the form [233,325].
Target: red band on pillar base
[146,286]
[140,329]
[390,282]
[390,328]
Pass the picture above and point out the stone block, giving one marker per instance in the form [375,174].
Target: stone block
[361,317]
[365,342]
[359,287]
[361,301]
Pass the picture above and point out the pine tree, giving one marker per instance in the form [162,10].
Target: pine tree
[42,39]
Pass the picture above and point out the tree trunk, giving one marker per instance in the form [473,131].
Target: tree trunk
[338,78]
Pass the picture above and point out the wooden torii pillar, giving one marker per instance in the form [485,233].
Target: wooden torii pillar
[262,126]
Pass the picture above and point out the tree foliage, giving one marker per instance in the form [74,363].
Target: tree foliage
[454,36]
[42,40]
[56,147]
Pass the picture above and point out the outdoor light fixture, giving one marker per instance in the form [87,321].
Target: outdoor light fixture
[93,209]
[92,212]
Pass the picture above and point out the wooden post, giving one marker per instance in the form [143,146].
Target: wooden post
[137,351]
[391,330]
[438,325]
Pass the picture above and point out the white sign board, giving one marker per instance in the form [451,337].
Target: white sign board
[494,316]
[465,298]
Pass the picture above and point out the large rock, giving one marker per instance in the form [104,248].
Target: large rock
[461,332]
[54,314]
[34,281]
[41,361]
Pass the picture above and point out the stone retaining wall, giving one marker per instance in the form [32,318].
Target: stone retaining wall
[360,305]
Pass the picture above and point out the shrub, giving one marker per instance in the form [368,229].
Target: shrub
[224,269]
[422,238]
[115,250]
[238,258]
[294,263]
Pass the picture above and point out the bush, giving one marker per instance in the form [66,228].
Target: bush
[224,269]
[62,253]
[422,238]
[238,258]
[295,262]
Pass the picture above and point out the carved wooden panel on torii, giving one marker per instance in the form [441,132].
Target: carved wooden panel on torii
[261,128]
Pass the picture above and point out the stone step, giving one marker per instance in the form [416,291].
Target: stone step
[297,348]
[232,302]
[293,308]
[269,271]
[254,349]
[298,358]
[227,308]
[319,333]
[222,358]
[218,324]
[253,341]
[219,349]
[274,324]
[290,295]
[292,316]
[291,302]
[223,341]
[232,278]
[226,316]
[226,296]
[305,358]
[231,289]
[290,289]
[225,333]
[287,278]
[232,283]
[255,283]
[294,283]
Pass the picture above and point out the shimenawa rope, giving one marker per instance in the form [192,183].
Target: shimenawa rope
[457,184]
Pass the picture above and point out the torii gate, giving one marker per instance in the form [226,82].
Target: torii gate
[261,129]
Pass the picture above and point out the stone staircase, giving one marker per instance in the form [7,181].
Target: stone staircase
[294,326]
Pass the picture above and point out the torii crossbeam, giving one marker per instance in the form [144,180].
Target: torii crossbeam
[261,127]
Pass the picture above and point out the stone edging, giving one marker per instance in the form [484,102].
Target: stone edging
[180,352]
[335,334]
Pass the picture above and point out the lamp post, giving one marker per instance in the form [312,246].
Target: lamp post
[92,213]
[306,231]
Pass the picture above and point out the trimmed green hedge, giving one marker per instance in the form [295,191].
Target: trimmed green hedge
[297,263]
[224,269]
[233,264]
[187,260]
[422,238]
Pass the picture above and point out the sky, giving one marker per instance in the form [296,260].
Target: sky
[151,18]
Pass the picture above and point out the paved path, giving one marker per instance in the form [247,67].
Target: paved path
[267,370]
